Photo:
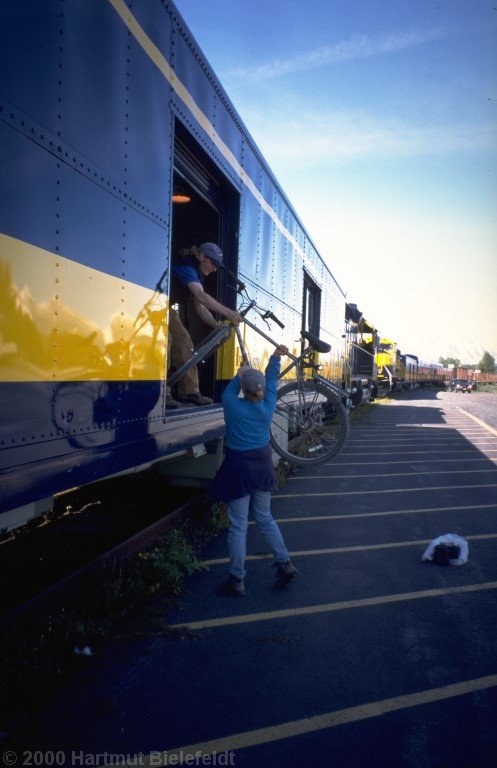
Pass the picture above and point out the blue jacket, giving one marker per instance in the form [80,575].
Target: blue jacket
[247,423]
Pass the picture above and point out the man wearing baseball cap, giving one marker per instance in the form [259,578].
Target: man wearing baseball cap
[193,265]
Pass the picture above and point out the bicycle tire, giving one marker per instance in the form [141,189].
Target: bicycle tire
[310,424]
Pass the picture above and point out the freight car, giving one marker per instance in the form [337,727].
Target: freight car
[431,374]
[108,114]
[421,374]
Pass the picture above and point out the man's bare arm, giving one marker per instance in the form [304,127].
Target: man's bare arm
[204,314]
[204,302]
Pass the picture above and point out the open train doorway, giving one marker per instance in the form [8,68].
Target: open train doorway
[205,209]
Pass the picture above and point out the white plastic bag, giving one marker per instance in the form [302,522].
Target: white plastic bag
[449,539]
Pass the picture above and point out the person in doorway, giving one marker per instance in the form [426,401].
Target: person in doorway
[188,273]
[246,477]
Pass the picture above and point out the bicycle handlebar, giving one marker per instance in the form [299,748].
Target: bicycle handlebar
[265,314]
[247,309]
[239,285]
[273,317]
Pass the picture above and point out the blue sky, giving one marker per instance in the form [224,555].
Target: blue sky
[379,120]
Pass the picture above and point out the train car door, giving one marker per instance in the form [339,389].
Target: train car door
[205,209]
[311,310]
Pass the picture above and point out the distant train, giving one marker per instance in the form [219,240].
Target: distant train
[375,366]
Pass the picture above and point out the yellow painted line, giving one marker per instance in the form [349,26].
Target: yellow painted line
[322,518]
[371,437]
[378,492]
[480,440]
[312,610]
[245,739]
[419,442]
[480,422]
[458,419]
[403,461]
[393,474]
[394,432]
[172,79]
[410,453]
[452,444]
[344,550]
[412,440]
[460,423]
[404,431]
[474,431]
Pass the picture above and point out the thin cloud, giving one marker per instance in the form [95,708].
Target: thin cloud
[336,137]
[353,49]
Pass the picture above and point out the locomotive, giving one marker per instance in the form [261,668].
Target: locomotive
[375,366]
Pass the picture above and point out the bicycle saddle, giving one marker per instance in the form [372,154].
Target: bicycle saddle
[317,344]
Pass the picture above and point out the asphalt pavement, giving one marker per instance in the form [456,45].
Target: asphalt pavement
[372,657]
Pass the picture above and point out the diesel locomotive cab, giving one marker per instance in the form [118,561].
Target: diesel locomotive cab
[360,370]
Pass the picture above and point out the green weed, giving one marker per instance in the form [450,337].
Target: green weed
[39,655]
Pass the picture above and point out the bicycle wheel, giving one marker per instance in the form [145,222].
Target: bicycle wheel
[310,423]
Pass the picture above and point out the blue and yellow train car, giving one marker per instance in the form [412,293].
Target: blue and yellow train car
[106,113]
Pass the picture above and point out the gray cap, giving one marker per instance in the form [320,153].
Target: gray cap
[212,252]
[253,381]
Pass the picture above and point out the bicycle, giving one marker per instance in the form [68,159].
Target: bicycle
[310,424]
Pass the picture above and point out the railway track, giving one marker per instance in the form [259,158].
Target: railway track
[52,560]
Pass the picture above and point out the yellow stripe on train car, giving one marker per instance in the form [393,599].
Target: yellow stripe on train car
[225,360]
[63,321]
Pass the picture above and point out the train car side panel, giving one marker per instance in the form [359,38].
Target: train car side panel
[100,105]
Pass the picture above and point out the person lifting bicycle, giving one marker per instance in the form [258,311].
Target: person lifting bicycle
[188,273]
[246,477]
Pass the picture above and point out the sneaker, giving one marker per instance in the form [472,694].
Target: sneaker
[171,403]
[285,573]
[195,399]
[232,586]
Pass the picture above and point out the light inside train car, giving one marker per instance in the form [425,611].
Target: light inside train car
[181,194]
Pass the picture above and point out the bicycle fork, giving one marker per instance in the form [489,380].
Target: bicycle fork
[241,344]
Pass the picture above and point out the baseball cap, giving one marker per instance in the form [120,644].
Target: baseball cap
[212,252]
[253,381]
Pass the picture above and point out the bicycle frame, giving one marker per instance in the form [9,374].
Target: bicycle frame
[297,362]
[310,422]
[221,334]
